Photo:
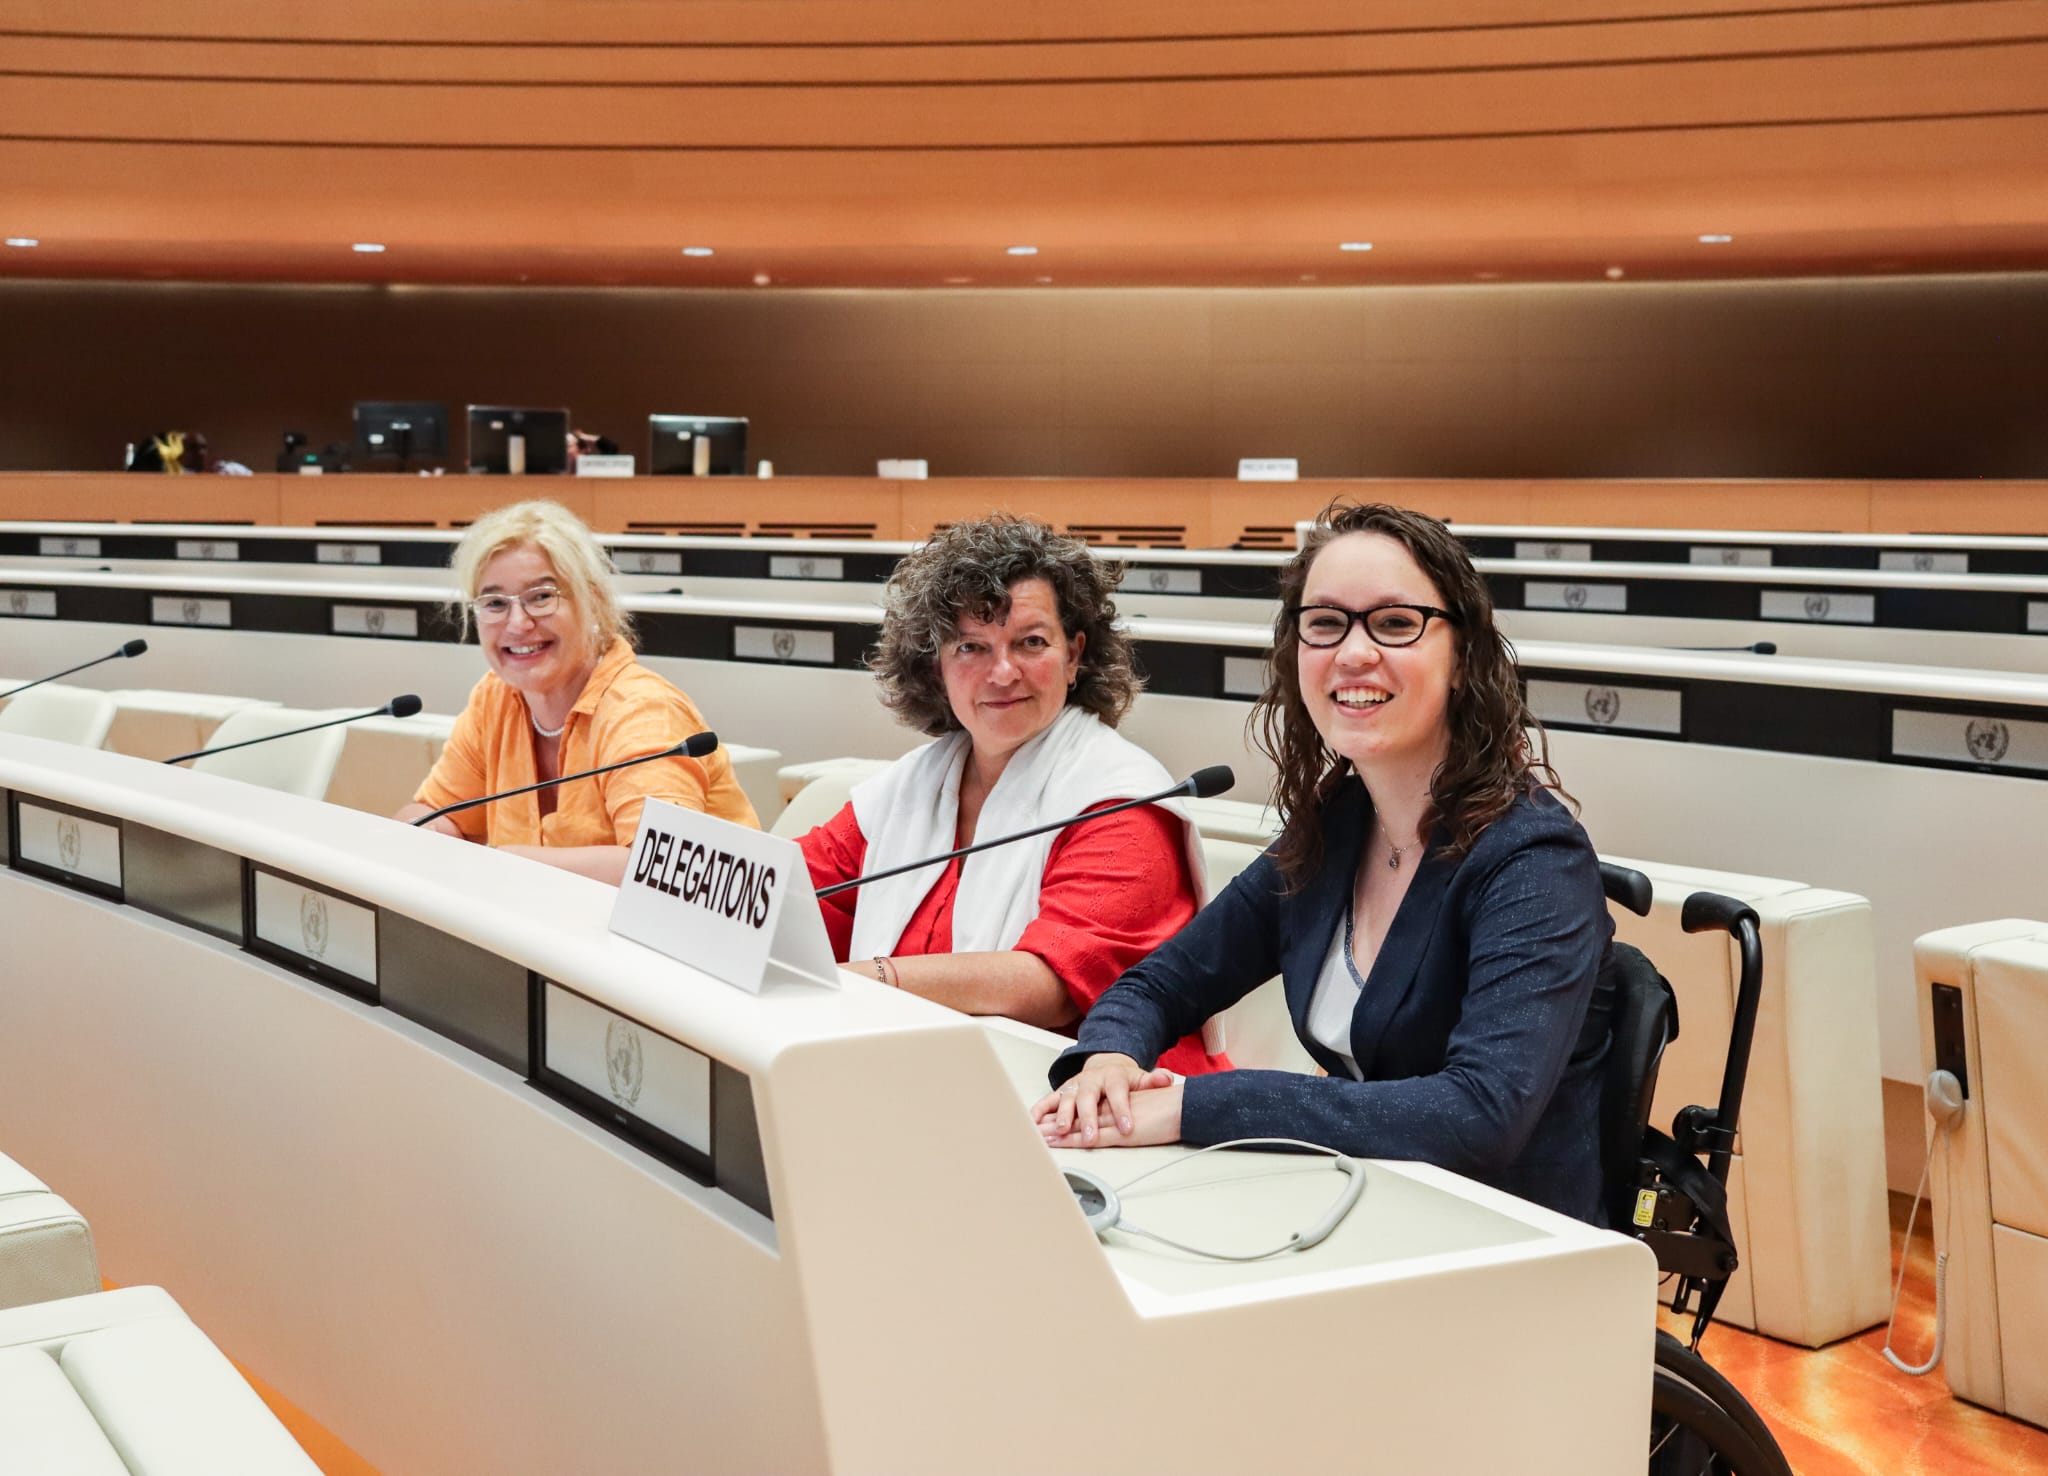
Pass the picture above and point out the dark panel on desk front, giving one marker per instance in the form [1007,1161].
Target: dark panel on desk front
[182,879]
[736,1163]
[456,989]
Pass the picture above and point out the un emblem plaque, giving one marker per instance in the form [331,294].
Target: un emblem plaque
[625,1065]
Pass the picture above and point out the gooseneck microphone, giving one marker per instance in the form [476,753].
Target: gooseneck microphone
[1202,784]
[697,745]
[132,648]
[404,706]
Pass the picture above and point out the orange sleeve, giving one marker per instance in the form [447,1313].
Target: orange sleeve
[649,726]
[460,773]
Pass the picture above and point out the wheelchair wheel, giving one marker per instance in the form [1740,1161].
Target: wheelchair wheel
[1701,1425]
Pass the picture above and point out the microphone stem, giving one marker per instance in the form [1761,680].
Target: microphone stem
[1003,840]
[491,799]
[268,737]
[55,675]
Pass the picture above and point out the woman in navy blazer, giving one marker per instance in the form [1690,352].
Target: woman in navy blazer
[1435,914]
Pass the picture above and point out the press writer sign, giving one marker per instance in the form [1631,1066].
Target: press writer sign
[734,902]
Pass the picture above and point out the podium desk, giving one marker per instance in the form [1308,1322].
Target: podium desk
[483,1186]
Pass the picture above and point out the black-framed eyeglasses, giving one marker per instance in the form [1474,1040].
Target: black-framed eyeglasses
[1387,625]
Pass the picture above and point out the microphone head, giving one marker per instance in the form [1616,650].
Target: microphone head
[1210,782]
[404,706]
[134,648]
[1765,648]
[697,745]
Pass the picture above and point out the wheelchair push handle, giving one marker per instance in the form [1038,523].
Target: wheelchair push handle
[1626,886]
[1711,912]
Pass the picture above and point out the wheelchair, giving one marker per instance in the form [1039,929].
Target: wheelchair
[1659,1190]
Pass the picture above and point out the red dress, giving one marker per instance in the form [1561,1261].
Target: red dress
[1112,891]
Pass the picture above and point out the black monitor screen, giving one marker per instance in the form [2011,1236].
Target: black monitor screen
[696,445]
[540,437]
[400,428]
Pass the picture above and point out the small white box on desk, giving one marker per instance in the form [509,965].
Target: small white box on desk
[903,468]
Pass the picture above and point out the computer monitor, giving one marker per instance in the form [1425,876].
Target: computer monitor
[401,428]
[541,438]
[696,445]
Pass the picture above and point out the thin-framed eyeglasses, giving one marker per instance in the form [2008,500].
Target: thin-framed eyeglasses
[539,603]
[1387,625]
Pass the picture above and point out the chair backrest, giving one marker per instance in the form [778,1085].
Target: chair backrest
[812,805]
[154,724]
[384,760]
[301,765]
[1256,1031]
[1643,1019]
[60,714]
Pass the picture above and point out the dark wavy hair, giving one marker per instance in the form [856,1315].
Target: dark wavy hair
[966,571]
[1498,751]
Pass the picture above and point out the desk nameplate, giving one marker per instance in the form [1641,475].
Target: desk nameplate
[1923,561]
[780,643]
[69,548]
[68,845]
[1978,741]
[634,1078]
[391,622]
[1244,676]
[30,604]
[646,561]
[208,548]
[1604,707]
[1723,557]
[2037,617]
[1139,580]
[1825,607]
[806,566]
[1603,599]
[347,553]
[191,610]
[1555,553]
[320,933]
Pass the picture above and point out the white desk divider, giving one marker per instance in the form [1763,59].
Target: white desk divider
[732,901]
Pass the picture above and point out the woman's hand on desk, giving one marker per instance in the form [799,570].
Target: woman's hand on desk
[1153,1116]
[1104,1084]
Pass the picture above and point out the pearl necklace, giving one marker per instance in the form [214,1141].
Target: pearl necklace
[545,732]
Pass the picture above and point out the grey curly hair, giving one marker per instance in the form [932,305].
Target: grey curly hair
[966,571]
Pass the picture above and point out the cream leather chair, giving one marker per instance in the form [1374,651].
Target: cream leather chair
[155,725]
[1806,1190]
[121,1383]
[384,759]
[1257,1032]
[1989,1174]
[60,714]
[815,803]
[45,1246]
[758,771]
[302,765]
[793,778]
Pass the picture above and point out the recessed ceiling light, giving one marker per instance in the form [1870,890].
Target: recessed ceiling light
[762,279]
[1308,276]
[1615,274]
[956,281]
[368,248]
[23,241]
[1043,279]
[1715,240]
[1021,250]
[1487,276]
[1354,245]
[697,251]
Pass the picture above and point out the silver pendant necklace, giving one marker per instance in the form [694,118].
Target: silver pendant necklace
[1394,852]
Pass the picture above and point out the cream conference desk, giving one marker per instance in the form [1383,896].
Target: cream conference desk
[484,1186]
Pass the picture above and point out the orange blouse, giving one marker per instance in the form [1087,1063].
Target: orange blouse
[624,710]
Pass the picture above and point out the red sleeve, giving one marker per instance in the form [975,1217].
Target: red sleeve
[835,852]
[1113,890]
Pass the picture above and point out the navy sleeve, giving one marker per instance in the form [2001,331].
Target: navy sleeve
[1538,925]
[1231,947]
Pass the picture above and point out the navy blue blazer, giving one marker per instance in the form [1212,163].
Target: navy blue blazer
[1481,1031]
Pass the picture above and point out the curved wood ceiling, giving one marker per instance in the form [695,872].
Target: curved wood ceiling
[910,142]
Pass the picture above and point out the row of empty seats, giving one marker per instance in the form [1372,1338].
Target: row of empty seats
[372,764]
[112,1383]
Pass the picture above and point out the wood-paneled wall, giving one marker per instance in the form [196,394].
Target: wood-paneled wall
[1195,513]
[1929,377]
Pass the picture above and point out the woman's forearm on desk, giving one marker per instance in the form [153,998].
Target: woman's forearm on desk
[1019,985]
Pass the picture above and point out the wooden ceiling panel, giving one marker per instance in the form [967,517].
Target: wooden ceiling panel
[905,142]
